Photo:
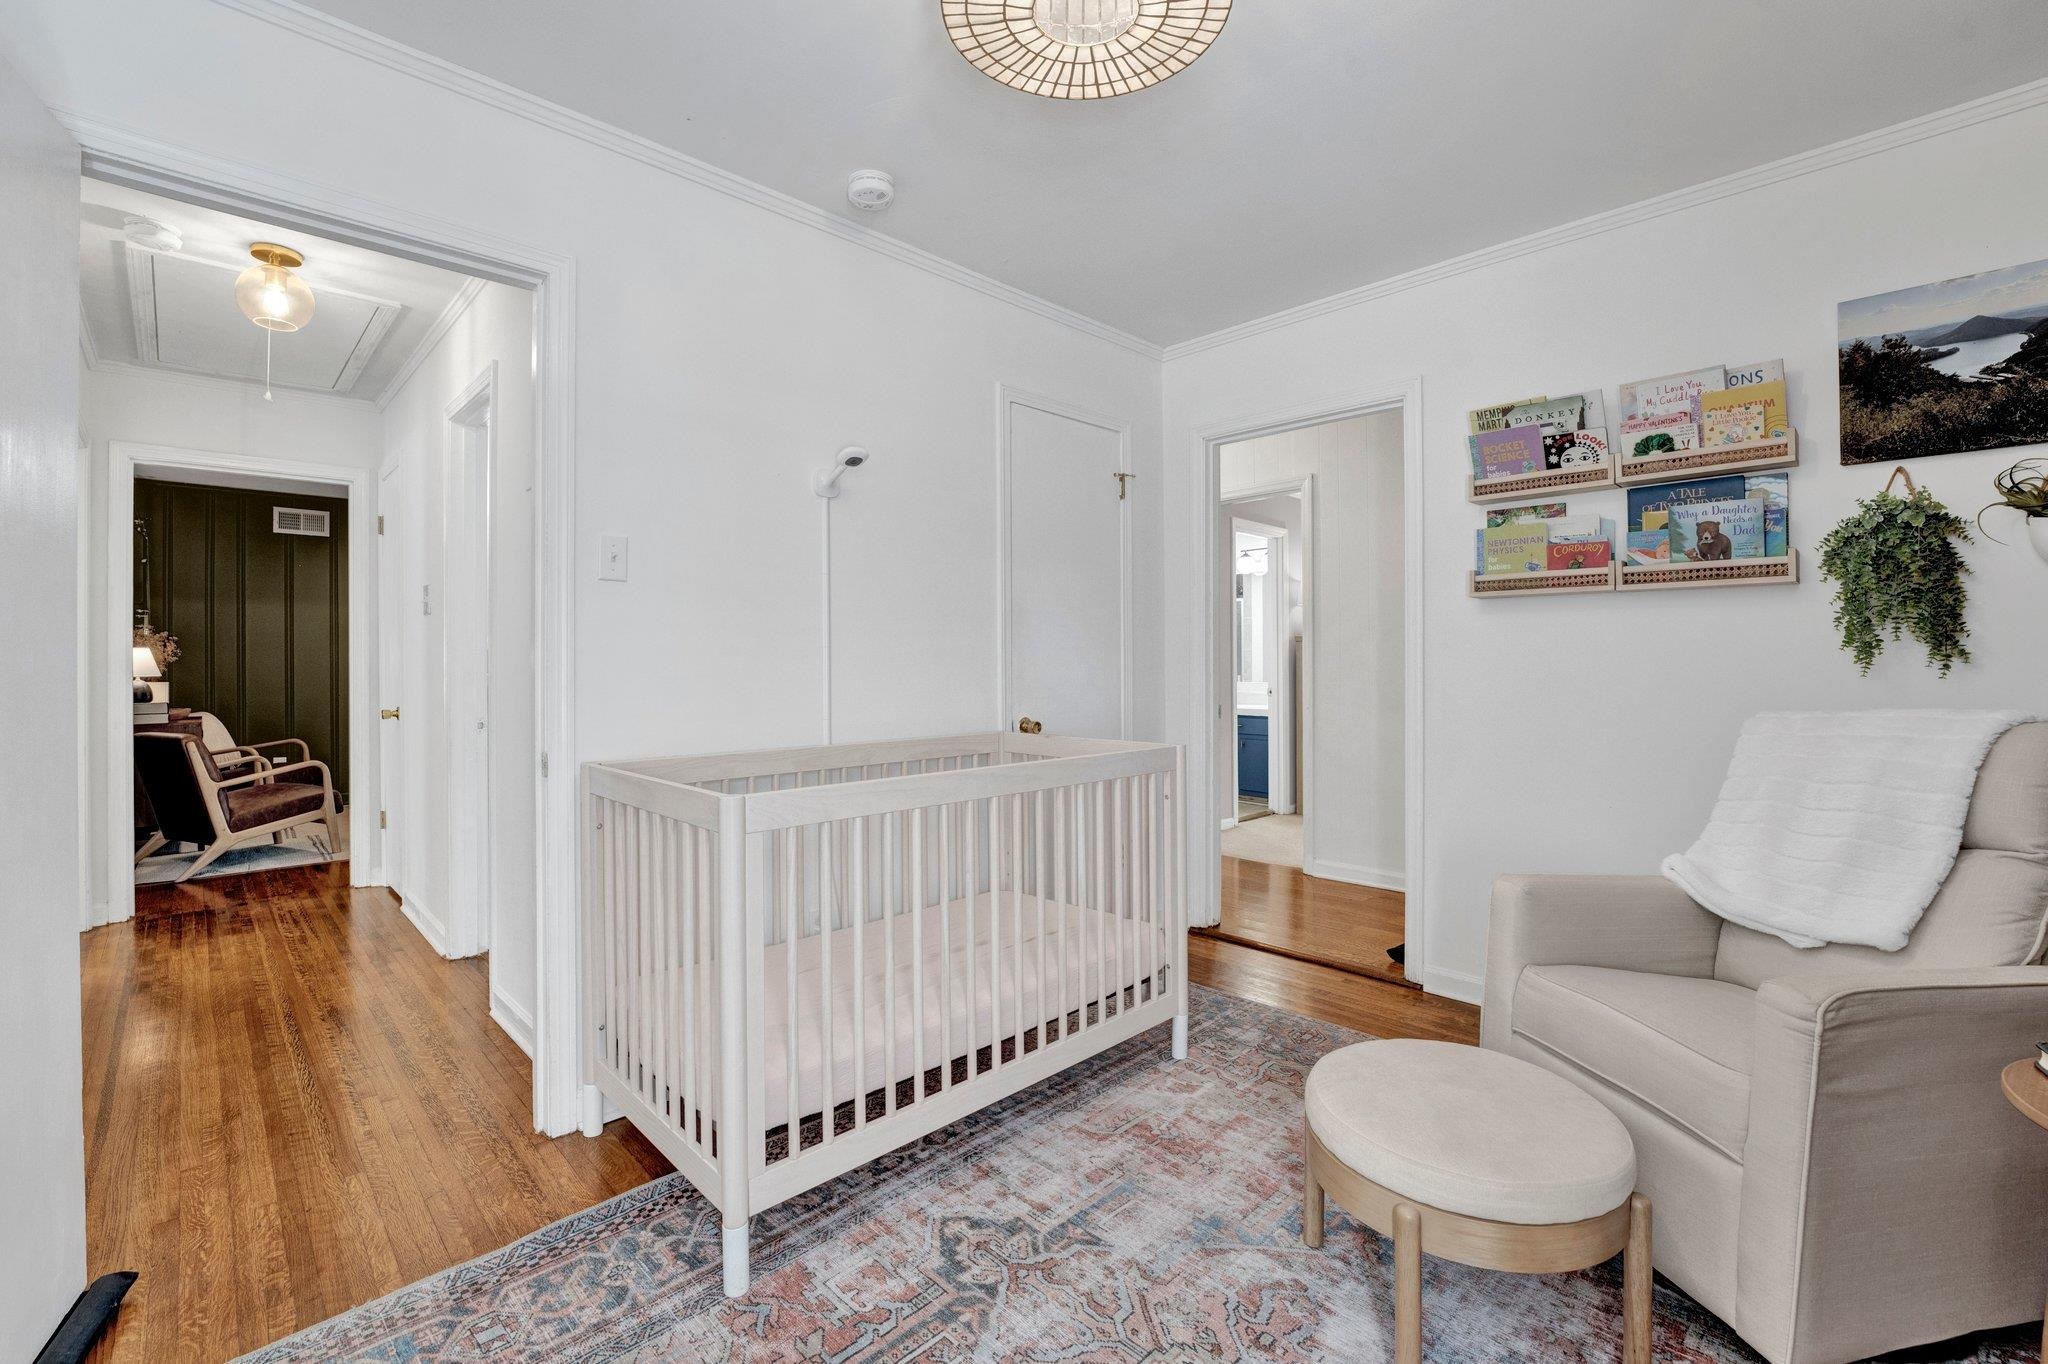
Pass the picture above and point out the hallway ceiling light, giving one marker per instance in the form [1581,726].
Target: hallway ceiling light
[272,297]
[269,294]
[1082,49]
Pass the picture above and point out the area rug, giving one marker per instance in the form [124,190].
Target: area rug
[165,868]
[1132,1210]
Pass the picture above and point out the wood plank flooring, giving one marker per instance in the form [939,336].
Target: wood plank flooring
[1278,908]
[293,1106]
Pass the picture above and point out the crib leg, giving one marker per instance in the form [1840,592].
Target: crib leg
[1180,1037]
[593,1111]
[736,1261]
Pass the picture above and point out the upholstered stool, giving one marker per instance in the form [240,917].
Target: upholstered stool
[1477,1157]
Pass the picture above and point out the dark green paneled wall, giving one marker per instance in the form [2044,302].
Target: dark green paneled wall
[261,618]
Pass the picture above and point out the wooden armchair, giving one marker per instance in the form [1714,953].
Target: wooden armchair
[235,759]
[197,801]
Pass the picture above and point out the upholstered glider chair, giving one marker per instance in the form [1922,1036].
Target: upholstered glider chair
[1834,1170]
[197,802]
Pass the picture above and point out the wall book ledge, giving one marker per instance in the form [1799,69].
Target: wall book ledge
[1719,573]
[1553,583]
[1578,478]
[1747,457]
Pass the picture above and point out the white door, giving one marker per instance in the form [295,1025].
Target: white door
[42,1194]
[391,606]
[1066,580]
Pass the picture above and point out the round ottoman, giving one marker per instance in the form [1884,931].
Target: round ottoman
[1477,1157]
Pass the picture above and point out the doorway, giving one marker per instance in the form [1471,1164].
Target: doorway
[1311,715]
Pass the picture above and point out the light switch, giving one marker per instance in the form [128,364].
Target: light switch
[611,558]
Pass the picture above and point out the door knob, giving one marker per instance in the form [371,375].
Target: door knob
[391,714]
[1027,725]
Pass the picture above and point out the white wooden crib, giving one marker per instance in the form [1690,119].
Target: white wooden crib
[797,960]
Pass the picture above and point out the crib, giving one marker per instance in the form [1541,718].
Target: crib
[797,960]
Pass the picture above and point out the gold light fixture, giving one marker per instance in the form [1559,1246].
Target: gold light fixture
[272,297]
[1082,49]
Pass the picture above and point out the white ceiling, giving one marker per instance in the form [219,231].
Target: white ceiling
[1319,145]
[176,310]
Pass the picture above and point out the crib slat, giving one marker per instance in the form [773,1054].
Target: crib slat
[1019,851]
[664,911]
[1100,838]
[996,874]
[708,921]
[857,915]
[1041,854]
[970,836]
[945,821]
[792,941]
[892,866]
[827,895]
[917,958]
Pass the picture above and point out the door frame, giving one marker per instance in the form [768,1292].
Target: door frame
[118,623]
[1007,397]
[1280,716]
[122,156]
[391,844]
[1205,870]
[468,473]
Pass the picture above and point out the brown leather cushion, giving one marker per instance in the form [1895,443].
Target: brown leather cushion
[266,803]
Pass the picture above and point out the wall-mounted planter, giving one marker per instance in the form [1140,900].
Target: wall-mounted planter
[1748,457]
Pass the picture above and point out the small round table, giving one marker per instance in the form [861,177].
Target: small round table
[1478,1157]
[2026,1089]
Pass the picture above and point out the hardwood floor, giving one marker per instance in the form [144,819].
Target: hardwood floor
[293,1106]
[1279,909]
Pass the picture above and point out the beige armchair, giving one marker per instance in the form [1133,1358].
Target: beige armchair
[1834,1170]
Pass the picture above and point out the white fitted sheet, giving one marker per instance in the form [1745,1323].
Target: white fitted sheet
[1090,973]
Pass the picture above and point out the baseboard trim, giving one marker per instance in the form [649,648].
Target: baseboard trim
[515,1022]
[1379,878]
[1456,985]
[430,927]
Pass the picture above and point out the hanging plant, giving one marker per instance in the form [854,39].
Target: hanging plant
[1898,571]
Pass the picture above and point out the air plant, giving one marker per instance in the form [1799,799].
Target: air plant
[2023,487]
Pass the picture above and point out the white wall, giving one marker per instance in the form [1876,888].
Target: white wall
[495,332]
[42,1162]
[1355,768]
[1591,733]
[120,403]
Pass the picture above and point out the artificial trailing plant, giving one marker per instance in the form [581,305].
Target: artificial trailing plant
[1897,571]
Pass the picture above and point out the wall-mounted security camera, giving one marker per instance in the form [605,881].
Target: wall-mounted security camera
[826,484]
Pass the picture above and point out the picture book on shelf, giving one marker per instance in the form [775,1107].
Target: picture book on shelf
[1649,506]
[1517,547]
[1774,491]
[1566,554]
[1673,393]
[1709,531]
[1649,548]
[1763,372]
[1535,511]
[1769,395]
[1731,423]
[1647,437]
[1510,451]
[1579,528]
[1570,449]
[1554,415]
[1494,418]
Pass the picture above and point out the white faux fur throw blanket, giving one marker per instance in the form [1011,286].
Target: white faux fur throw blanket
[1839,827]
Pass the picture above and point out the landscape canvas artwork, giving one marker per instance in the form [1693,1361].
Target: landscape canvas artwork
[1945,368]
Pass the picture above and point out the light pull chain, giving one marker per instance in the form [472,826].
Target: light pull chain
[267,335]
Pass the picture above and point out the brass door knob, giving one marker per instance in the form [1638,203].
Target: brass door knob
[1027,725]
[391,714]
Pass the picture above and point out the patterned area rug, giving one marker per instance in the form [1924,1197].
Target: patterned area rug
[1129,1211]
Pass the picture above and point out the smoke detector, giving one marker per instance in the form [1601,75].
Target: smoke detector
[149,234]
[870,190]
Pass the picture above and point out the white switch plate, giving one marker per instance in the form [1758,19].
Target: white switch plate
[611,558]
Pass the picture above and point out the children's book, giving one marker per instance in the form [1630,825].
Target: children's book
[1579,528]
[1570,449]
[1580,554]
[1649,547]
[1707,532]
[1517,547]
[1535,511]
[1666,435]
[1673,393]
[1762,372]
[1494,418]
[1770,395]
[1648,503]
[1511,451]
[1555,415]
[1773,490]
[1731,423]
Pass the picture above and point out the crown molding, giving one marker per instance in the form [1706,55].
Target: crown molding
[343,36]
[450,315]
[2016,100]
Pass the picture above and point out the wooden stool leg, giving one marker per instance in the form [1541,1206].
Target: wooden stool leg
[1407,1284]
[1311,1193]
[1635,1284]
